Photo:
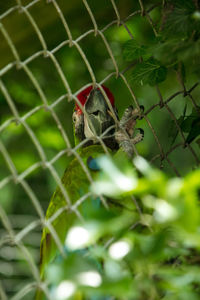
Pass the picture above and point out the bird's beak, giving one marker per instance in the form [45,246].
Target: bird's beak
[98,117]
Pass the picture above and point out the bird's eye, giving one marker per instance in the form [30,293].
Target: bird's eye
[74,118]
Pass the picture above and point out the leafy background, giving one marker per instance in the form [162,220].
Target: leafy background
[159,52]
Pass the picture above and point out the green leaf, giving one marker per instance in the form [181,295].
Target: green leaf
[173,131]
[150,72]
[188,121]
[179,19]
[133,50]
[158,75]
[194,131]
[186,124]
[189,124]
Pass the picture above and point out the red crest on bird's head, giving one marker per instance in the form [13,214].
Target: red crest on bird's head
[82,97]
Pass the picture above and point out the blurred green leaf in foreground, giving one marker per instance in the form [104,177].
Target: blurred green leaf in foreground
[153,254]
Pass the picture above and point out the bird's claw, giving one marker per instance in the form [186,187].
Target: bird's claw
[124,135]
[138,137]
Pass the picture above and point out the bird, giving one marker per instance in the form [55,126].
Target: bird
[97,127]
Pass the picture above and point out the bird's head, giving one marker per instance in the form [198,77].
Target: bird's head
[97,118]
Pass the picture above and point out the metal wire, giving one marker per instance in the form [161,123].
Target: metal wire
[10,237]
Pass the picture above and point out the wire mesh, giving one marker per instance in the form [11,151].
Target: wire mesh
[21,232]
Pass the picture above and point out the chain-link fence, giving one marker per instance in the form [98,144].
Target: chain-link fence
[50,51]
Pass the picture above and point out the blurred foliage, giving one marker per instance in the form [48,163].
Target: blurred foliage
[154,255]
[159,50]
